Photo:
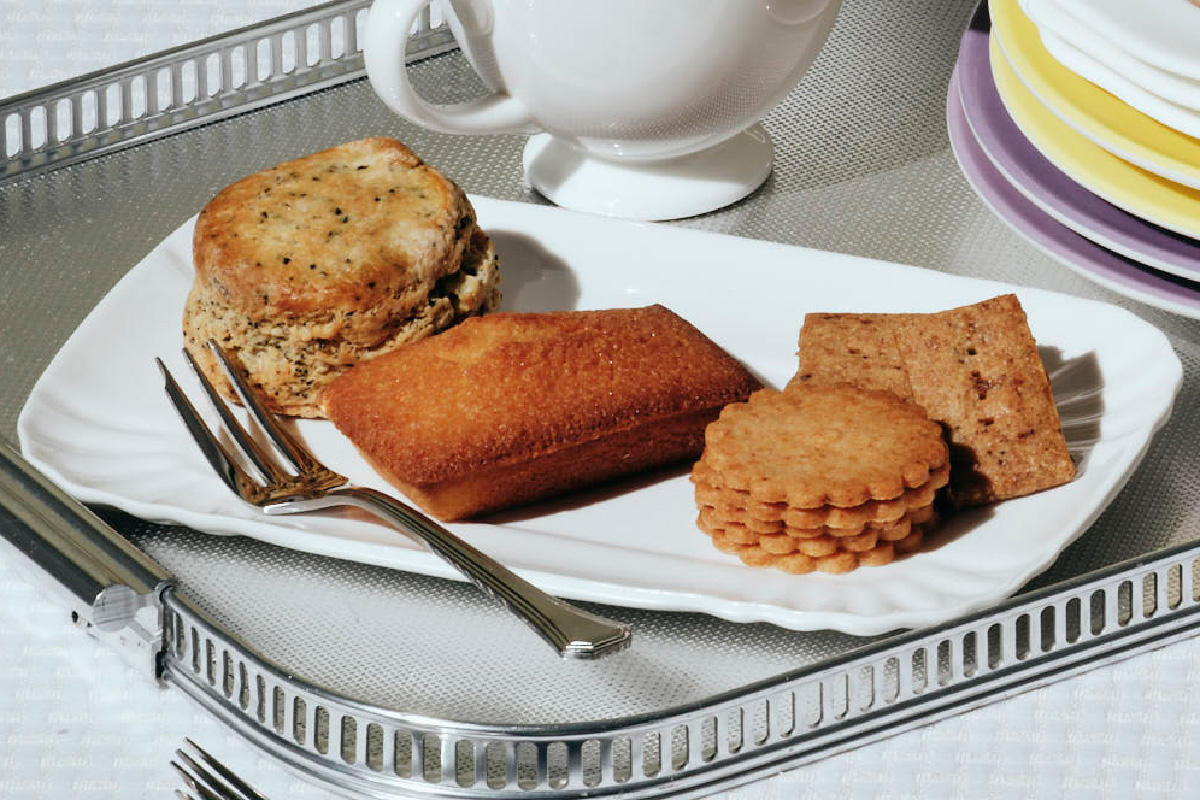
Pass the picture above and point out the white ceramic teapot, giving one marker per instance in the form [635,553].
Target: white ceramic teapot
[646,109]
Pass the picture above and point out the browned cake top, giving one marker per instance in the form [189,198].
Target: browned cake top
[497,388]
[351,226]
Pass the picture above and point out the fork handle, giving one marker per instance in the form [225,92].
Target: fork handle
[574,633]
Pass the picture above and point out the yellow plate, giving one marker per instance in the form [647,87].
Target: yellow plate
[1150,196]
[1098,115]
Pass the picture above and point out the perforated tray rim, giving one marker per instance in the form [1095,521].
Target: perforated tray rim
[880,690]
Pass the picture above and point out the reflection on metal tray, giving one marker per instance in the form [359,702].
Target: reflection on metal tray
[195,84]
[394,684]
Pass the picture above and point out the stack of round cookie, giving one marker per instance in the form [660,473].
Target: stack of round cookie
[820,477]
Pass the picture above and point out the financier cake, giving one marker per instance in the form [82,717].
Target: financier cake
[307,268]
[512,407]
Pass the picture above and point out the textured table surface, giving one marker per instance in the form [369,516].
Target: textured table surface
[76,721]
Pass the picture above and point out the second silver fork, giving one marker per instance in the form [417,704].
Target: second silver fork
[302,483]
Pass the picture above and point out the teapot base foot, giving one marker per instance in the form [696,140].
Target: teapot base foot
[685,186]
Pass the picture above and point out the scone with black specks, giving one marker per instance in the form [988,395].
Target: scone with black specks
[309,267]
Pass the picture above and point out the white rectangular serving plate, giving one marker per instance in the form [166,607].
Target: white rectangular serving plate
[99,424]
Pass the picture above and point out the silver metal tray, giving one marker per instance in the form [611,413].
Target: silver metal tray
[390,684]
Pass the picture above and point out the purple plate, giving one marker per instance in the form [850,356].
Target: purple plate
[1111,270]
[1048,187]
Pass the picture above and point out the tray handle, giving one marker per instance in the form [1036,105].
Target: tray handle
[111,588]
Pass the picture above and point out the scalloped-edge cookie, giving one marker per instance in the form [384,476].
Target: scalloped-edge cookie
[823,445]
[835,562]
[853,518]
[725,517]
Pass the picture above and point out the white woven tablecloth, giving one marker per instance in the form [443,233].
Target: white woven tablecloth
[77,722]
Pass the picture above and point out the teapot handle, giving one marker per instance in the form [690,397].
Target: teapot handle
[385,55]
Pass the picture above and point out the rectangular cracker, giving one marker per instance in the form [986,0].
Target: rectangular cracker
[859,349]
[975,369]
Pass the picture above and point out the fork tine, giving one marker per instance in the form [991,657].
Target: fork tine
[193,782]
[262,460]
[224,464]
[225,772]
[289,448]
[211,780]
[202,781]
[199,780]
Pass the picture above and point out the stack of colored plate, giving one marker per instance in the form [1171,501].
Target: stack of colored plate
[1097,182]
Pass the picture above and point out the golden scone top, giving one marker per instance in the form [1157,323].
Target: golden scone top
[349,226]
[306,268]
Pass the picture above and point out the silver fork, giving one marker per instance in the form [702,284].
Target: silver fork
[305,484]
[208,779]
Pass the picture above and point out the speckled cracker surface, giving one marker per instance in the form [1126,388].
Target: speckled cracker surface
[977,369]
[853,348]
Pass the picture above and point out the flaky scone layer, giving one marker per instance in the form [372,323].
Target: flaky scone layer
[308,267]
[292,360]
